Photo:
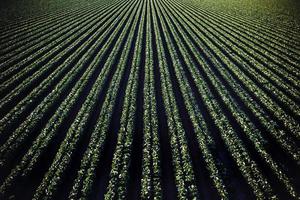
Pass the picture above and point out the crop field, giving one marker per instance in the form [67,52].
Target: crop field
[150,99]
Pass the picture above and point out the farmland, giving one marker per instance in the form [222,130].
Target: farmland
[150,99]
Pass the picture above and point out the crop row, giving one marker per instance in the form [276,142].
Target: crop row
[248,100]
[250,82]
[148,98]
[234,144]
[47,50]
[278,33]
[119,171]
[60,88]
[76,130]
[151,174]
[25,27]
[91,34]
[48,133]
[241,117]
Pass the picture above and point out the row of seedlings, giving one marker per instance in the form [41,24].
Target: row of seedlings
[245,123]
[18,136]
[277,34]
[86,174]
[267,101]
[47,39]
[204,138]
[235,146]
[16,46]
[23,53]
[21,69]
[50,130]
[26,27]
[63,157]
[119,171]
[267,48]
[151,173]
[55,75]
[183,171]
[278,133]
[259,63]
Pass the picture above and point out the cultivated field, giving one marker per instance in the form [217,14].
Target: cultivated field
[150,99]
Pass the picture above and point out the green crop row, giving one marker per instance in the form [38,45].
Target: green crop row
[151,175]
